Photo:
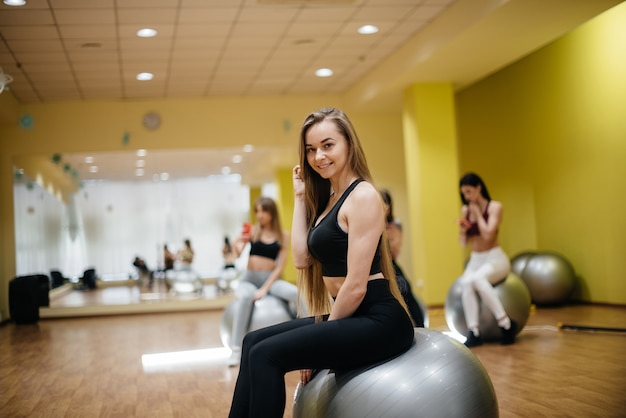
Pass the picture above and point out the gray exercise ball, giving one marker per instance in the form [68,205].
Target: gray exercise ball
[436,377]
[550,278]
[518,263]
[513,295]
[267,311]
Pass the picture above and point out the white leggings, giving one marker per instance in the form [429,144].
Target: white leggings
[250,283]
[483,270]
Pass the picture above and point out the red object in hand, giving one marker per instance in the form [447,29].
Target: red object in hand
[246,228]
[464,222]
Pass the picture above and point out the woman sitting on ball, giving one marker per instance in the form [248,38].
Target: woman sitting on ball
[488,263]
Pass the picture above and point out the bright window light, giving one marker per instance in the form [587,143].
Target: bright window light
[145,76]
[161,361]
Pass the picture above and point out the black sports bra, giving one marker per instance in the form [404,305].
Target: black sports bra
[262,249]
[328,243]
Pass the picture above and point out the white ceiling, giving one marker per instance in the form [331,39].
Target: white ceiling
[88,50]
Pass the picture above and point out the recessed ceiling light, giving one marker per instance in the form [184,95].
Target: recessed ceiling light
[140,163]
[145,76]
[14,2]
[324,72]
[93,169]
[146,32]
[367,29]
[236,159]
[89,160]
[139,172]
[226,170]
[165,176]
[141,152]
[248,148]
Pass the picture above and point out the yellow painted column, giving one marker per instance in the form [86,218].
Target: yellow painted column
[284,182]
[255,193]
[430,149]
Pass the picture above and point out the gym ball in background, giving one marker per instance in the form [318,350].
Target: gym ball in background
[514,296]
[550,278]
[518,263]
[267,311]
[436,377]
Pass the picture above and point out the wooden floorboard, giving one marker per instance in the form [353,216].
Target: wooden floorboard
[100,366]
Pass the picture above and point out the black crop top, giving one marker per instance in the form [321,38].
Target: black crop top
[262,249]
[328,243]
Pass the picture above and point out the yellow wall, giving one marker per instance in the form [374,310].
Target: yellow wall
[549,136]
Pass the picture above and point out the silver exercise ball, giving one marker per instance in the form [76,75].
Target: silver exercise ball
[550,278]
[267,311]
[513,295]
[436,377]
[518,263]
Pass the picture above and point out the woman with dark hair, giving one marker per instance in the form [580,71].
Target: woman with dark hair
[269,246]
[345,272]
[488,263]
[395,236]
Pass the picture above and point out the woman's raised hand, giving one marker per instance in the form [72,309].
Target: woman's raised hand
[298,183]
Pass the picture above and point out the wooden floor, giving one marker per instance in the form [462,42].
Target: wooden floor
[173,364]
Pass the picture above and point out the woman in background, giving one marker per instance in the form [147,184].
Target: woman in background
[269,246]
[395,236]
[488,263]
[185,255]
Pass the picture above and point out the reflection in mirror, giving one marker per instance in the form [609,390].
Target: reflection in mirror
[105,223]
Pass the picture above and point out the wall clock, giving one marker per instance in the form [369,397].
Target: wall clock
[151,120]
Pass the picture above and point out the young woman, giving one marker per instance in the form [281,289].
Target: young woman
[185,255]
[488,263]
[269,246]
[395,236]
[345,271]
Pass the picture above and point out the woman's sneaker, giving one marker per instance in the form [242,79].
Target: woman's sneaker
[472,340]
[508,335]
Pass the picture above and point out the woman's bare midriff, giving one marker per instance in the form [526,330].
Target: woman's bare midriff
[258,263]
[333,284]
[480,244]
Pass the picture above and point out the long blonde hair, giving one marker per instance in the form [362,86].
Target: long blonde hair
[269,205]
[317,195]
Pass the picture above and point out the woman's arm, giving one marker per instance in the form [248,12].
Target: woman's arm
[489,229]
[299,227]
[364,229]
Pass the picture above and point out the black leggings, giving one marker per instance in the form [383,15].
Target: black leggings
[378,330]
